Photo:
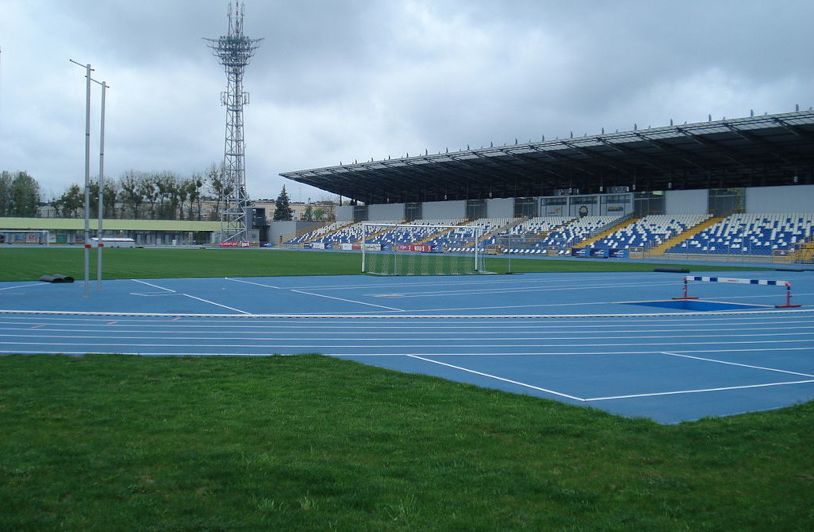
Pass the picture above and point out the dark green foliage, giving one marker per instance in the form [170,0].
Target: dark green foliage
[311,443]
[19,194]
[282,209]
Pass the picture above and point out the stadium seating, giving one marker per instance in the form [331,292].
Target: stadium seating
[539,224]
[461,239]
[649,231]
[751,234]
[573,233]
[390,237]
[316,233]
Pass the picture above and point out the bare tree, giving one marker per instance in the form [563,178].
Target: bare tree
[131,192]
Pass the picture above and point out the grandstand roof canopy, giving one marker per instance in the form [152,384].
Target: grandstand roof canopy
[753,151]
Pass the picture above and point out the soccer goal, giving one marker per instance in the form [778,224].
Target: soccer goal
[22,237]
[421,249]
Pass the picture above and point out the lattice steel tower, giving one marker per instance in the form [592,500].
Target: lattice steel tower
[234,51]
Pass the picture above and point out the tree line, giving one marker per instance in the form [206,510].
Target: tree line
[137,195]
[19,194]
[140,195]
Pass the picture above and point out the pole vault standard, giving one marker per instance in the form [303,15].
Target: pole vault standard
[735,280]
[88,70]
[99,243]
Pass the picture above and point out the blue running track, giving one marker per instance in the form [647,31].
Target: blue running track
[609,341]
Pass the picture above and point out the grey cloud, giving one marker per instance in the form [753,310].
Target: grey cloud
[347,79]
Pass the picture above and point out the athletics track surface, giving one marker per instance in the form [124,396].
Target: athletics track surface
[576,338]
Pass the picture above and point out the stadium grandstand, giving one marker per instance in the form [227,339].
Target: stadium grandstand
[741,187]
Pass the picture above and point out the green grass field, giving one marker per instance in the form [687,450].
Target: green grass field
[312,443]
[18,264]
[285,443]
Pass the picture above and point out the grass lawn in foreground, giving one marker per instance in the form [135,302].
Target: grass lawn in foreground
[281,443]
[22,264]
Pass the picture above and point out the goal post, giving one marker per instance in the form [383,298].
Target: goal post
[421,249]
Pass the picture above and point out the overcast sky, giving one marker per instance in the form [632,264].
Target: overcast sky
[344,80]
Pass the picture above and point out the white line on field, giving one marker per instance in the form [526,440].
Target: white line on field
[315,294]
[482,374]
[252,283]
[347,300]
[702,390]
[738,364]
[217,304]
[23,286]
[153,285]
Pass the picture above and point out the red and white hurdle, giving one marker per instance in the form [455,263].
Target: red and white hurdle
[734,280]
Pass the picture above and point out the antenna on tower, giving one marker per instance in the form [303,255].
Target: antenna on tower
[234,50]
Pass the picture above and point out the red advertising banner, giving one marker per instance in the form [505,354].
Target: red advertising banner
[420,248]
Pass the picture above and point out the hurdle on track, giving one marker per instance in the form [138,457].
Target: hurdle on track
[735,280]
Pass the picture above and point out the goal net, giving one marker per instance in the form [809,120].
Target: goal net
[421,249]
[22,237]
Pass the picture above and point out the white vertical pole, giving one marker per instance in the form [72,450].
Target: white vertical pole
[99,243]
[477,244]
[87,177]
[364,237]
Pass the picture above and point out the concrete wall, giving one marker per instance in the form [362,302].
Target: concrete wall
[500,208]
[288,230]
[386,211]
[344,213]
[686,201]
[434,210]
[798,198]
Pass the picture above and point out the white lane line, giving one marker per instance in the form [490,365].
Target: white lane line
[738,364]
[481,281]
[347,300]
[253,283]
[524,289]
[709,315]
[576,353]
[24,286]
[186,295]
[316,295]
[452,325]
[153,285]
[490,376]
[701,390]
[403,336]
[217,304]
[384,330]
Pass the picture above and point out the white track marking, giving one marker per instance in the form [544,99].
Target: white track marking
[24,286]
[347,300]
[739,364]
[217,304]
[153,285]
[480,281]
[524,289]
[402,336]
[266,351]
[718,324]
[253,283]
[701,390]
[389,328]
[700,314]
[317,295]
[243,312]
[482,374]
[366,343]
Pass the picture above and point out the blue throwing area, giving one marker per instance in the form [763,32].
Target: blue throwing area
[614,341]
